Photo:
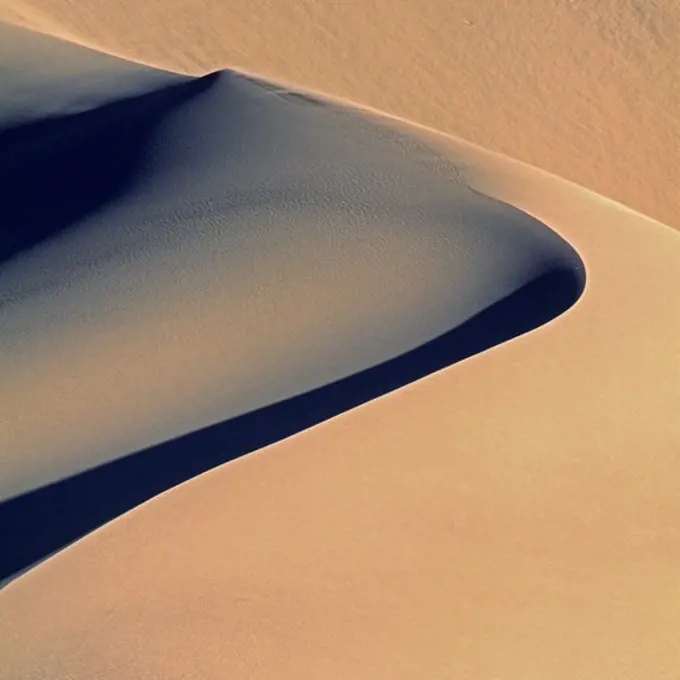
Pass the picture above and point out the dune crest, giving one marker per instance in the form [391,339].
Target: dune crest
[585,89]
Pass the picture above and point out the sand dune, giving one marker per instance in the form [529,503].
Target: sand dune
[512,515]
[299,243]
[293,259]
[587,89]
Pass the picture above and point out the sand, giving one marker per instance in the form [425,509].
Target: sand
[293,258]
[586,89]
[509,515]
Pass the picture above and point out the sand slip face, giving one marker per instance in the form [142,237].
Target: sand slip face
[193,253]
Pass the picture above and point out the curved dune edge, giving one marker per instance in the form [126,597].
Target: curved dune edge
[548,464]
[513,515]
[70,424]
[310,244]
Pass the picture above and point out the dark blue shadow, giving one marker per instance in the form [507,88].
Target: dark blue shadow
[40,522]
[56,171]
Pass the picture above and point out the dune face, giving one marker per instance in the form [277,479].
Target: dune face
[196,268]
[44,78]
[297,242]
[586,89]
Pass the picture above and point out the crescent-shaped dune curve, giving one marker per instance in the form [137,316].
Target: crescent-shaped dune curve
[300,243]
[493,519]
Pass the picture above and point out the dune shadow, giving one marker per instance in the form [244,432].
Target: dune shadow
[38,523]
[55,171]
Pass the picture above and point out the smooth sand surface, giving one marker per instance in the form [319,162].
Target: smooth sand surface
[511,516]
[215,245]
[586,89]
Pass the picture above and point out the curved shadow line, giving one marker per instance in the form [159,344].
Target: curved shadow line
[42,521]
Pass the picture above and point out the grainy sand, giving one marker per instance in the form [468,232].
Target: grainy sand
[512,515]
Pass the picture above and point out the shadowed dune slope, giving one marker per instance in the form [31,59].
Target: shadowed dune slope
[44,520]
[45,77]
[192,253]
